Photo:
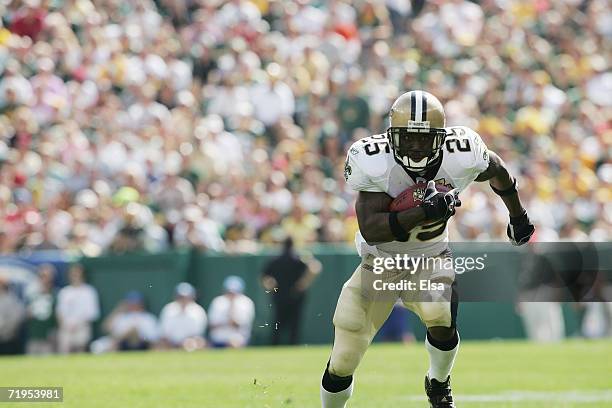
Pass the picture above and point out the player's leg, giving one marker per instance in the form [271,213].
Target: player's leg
[442,344]
[357,319]
[356,322]
[442,339]
[439,315]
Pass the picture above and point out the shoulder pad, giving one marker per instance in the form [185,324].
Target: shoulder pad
[367,163]
[371,154]
[467,146]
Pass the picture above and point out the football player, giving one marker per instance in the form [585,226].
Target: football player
[417,148]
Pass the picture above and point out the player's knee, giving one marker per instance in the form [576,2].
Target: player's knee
[435,314]
[349,348]
[348,322]
[343,363]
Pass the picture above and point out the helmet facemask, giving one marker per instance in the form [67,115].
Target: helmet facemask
[416,146]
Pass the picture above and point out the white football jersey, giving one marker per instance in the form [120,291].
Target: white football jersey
[371,166]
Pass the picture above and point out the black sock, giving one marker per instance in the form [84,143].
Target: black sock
[333,383]
[446,345]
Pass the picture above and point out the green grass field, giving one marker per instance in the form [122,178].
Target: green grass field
[487,374]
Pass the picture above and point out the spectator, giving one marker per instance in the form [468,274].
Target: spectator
[183,322]
[129,325]
[29,20]
[15,89]
[287,277]
[463,21]
[173,193]
[543,321]
[538,301]
[597,319]
[399,11]
[231,315]
[301,226]
[166,105]
[77,308]
[12,315]
[198,231]
[273,99]
[42,324]
[353,110]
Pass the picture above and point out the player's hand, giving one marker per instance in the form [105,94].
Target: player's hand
[520,229]
[269,283]
[439,205]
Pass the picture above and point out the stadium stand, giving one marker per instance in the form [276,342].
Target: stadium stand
[224,124]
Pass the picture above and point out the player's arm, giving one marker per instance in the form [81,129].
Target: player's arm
[313,269]
[501,181]
[503,184]
[377,224]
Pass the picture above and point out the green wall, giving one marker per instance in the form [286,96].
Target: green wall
[156,275]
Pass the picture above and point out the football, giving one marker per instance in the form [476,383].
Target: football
[413,196]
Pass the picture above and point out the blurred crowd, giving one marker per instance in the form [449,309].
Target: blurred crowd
[46,319]
[224,124]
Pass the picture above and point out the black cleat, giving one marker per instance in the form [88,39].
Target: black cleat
[439,393]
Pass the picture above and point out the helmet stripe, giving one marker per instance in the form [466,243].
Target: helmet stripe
[412,105]
[416,108]
[424,107]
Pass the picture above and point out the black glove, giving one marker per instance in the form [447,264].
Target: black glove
[438,205]
[520,229]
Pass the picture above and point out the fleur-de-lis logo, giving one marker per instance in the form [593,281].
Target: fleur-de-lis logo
[418,194]
[347,170]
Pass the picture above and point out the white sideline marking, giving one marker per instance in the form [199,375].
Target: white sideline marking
[520,396]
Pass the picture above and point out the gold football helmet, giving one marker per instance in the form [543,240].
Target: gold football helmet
[416,130]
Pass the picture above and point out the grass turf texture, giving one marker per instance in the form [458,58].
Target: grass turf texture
[487,374]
